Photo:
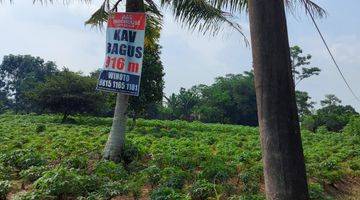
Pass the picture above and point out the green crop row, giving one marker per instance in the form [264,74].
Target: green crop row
[162,160]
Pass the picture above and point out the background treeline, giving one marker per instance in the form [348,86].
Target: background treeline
[30,84]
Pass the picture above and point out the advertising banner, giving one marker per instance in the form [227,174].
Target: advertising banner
[121,72]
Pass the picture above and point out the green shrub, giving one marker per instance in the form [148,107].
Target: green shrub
[316,192]
[250,182]
[32,195]
[33,173]
[5,187]
[217,171]
[353,127]
[154,175]
[130,153]
[40,128]
[110,170]
[355,164]
[5,172]
[77,162]
[173,178]
[110,189]
[23,159]
[165,193]
[201,190]
[63,182]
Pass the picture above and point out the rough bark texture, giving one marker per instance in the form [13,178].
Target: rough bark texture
[116,140]
[284,168]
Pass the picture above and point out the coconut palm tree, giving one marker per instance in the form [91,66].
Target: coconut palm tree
[284,168]
[210,19]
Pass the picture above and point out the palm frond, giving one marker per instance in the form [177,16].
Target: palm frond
[202,15]
[100,16]
[153,20]
[313,8]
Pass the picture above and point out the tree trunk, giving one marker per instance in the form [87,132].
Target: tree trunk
[116,140]
[284,168]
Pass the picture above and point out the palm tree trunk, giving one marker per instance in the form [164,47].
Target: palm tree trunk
[116,141]
[284,168]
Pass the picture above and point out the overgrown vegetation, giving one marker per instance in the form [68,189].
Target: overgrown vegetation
[163,159]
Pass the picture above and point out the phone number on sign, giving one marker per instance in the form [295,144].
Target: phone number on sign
[119,85]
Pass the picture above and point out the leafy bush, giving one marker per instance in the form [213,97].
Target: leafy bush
[110,170]
[130,153]
[154,175]
[355,165]
[5,187]
[32,195]
[109,190]
[333,117]
[316,192]
[353,127]
[217,171]
[40,128]
[165,193]
[173,178]
[250,182]
[33,173]
[63,182]
[23,159]
[77,162]
[201,190]
[5,172]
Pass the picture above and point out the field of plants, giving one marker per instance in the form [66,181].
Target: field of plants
[41,158]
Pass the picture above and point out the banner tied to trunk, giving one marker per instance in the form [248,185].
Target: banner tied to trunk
[124,54]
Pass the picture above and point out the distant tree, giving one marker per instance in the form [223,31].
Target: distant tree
[4,102]
[151,85]
[231,99]
[182,105]
[330,100]
[332,115]
[301,61]
[68,93]
[304,103]
[19,74]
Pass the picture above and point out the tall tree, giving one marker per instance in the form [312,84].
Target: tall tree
[301,61]
[182,105]
[330,100]
[284,167]
[116,141]
[19,74]
[67,93]
[231,99]
[152,83]
[304,103]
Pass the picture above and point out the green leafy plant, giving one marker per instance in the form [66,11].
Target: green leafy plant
[63,182]
[202,189]
[5,187]
[33,173]
[217,171]
[165,193]
[110,170]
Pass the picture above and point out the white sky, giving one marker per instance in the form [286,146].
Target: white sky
[57,32]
